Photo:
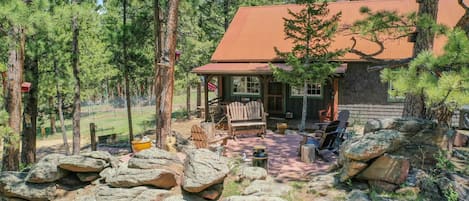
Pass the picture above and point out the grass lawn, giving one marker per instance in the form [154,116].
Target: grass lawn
[114,120]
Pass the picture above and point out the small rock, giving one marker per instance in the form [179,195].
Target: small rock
[184,197]
[408,190]
[87,176]
[12,184]
[266,188]
[381,186]
[252,173]
[351,168]
[322,183]
[203,169]
[129,177]
[357,195]
[252,198]
[213,192]
[47,170]
[389,168]
[78,163]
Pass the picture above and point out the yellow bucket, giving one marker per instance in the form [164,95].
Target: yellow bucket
[140,145]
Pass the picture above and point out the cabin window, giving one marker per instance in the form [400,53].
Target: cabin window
[246,85]
[393,94]
[313,90]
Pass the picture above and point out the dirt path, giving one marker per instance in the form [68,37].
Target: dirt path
[47,146]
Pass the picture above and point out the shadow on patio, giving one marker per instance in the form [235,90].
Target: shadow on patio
[284,161]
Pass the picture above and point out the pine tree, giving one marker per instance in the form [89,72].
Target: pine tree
[311,30]
[442,80]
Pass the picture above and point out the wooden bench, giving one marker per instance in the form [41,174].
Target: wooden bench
[246,118]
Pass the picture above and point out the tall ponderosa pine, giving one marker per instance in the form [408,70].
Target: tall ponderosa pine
[166,72]
[76,75]
[442,80]
[13,24]
[389,24]
[311,30]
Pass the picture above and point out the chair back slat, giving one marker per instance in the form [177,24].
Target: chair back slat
[236,111]
[199,137]
[255,110]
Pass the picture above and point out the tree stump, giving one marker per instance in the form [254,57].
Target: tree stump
[308,153]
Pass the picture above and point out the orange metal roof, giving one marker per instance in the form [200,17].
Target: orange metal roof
[247,68]
[255,31]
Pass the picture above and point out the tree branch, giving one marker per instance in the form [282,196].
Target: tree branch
[369,57]
[389,64]
[463,5]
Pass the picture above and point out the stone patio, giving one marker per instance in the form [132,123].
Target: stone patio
[282,149]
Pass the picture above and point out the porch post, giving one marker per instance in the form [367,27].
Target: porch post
[206,80]
[335,105]
[265,83]
[220,86]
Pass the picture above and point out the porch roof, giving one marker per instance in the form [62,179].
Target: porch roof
[246,69]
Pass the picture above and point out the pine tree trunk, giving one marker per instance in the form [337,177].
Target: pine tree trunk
[157,55]
[414,105]
[126,75]
[10,160]
[52,115]
[28,144]
[76,75]
[305,107]
[463,22]
[167,72]
[188,97]
[59,109]
[226,11]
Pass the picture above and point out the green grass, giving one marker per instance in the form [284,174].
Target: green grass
[114,120]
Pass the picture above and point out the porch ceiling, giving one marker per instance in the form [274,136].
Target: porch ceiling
[246,69]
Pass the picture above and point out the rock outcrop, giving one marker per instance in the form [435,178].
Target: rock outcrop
[156,159]
[13,184]
[47,170]
[130,177]
[203,169]
[388,150]
[80,163]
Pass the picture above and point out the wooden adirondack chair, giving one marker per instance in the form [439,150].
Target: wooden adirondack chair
[201,140]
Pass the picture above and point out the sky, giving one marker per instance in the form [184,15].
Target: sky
[100,2]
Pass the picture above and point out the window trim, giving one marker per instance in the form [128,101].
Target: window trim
[320,95]
[245,93]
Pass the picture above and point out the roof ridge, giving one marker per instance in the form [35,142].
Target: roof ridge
[337,2]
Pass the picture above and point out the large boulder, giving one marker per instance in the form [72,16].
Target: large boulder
[203,169]
[253,198]
[47,170]
[12,184]
[266,188]
[388,168]
[104,155]
[156,159]
[351,168]
[373,145]
[130,177]
[79,163]
[410,125]
[141,193]
[252,173]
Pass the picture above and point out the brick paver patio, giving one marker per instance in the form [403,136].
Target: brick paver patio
[284,162]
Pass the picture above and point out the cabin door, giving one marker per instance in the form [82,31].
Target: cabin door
[276,98]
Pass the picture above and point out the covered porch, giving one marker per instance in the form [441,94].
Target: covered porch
[245,82]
